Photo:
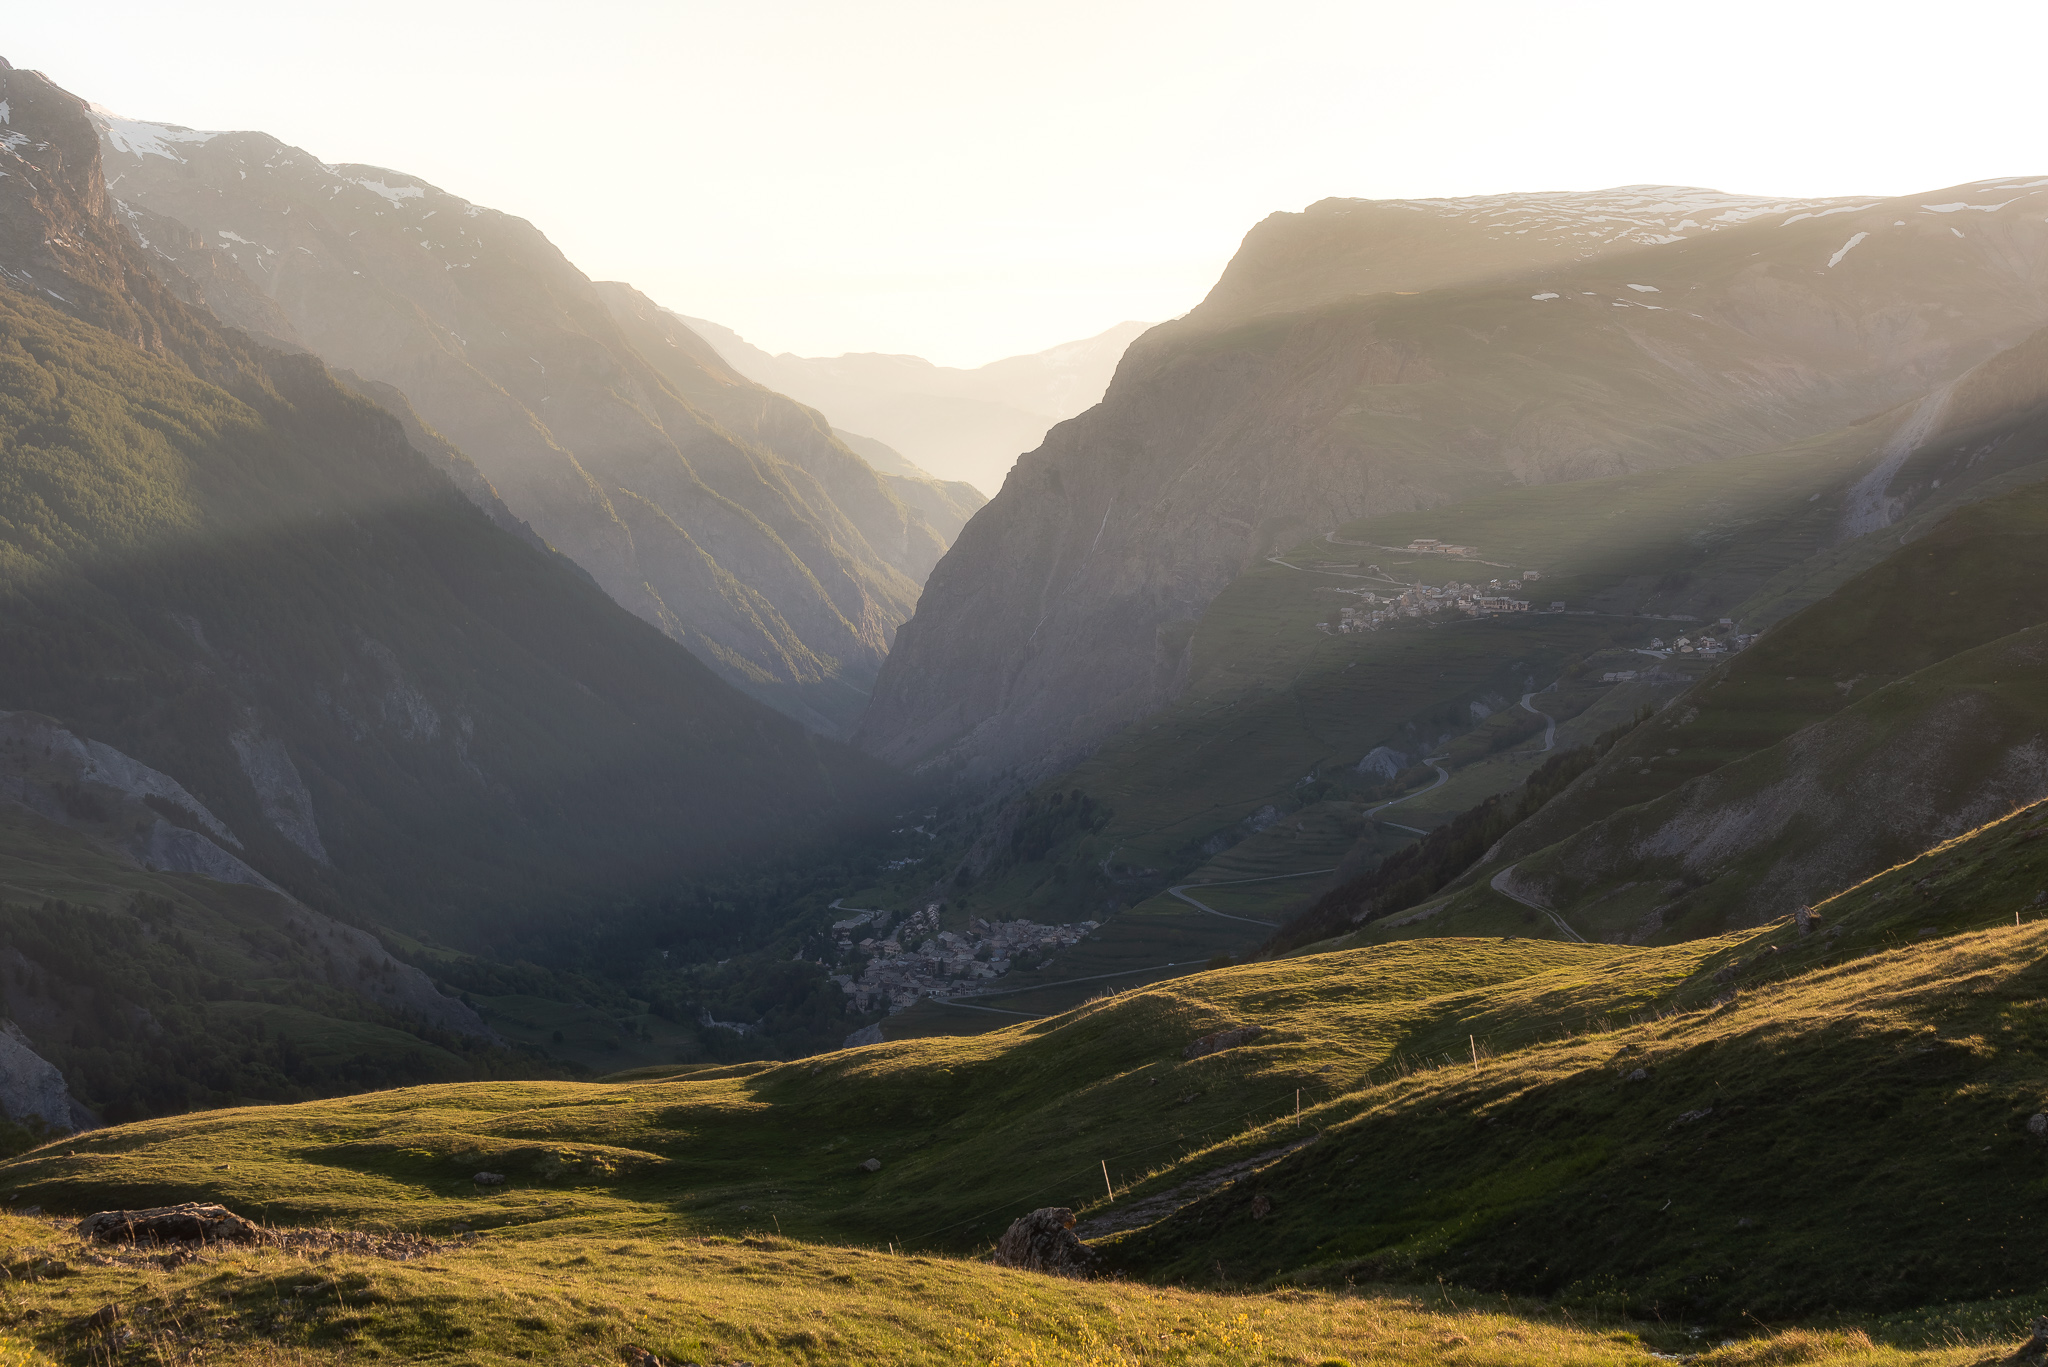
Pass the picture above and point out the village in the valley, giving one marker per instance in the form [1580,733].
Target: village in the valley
[1379,608]
[919,960]
[1704,643]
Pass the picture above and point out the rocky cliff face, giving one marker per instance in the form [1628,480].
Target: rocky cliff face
[1363,358]
[31,1087]
[751,537]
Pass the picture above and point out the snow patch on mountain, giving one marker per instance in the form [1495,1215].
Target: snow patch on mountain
[397,194]
[1846,248]
[1646,214]
[139,139]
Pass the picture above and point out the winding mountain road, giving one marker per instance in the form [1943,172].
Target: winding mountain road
[1443,776]
[1181,892]
[1510,893]
[1550,731]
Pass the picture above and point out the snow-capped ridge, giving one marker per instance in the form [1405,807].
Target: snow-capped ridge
[140,139]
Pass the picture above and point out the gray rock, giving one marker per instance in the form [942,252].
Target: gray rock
[489,1179]
[31,1086]
[99,763]
[1223,1039]
[1044,1241]
[281,793]
[867,1034]
[872,1165]
[1383,762]
[2037,1124]
[192,1222]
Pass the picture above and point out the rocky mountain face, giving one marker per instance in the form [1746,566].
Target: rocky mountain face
[743,530]
[237,571]
[963,424]
[1364,358]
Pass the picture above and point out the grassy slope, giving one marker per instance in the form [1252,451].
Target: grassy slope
[583,1295]
[1888,1085]
[1833,1125]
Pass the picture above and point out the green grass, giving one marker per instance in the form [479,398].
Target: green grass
[724,1137]
[1842,1142]
[584,1295]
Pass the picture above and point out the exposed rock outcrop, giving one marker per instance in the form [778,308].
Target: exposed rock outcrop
[192,1222]
[1222,1039]
[1044,1241]
[31,1088]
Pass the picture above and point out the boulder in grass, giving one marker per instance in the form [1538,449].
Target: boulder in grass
[194,1222]
[1223,1039]
[1044,1241]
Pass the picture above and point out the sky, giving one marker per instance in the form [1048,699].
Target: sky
[967,181]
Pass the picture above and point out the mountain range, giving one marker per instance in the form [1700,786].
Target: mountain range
[294,656]
[1490,789]
[1373,357]
[725,515]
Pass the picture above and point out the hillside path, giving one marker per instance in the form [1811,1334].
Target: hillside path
[1443,776]
[1557,920]
[1181,892]
[1550,731]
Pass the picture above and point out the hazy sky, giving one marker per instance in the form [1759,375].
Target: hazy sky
[967,181]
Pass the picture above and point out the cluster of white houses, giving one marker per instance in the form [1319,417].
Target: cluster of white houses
[1709,643]
[919,960]
[1423,600]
